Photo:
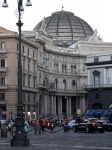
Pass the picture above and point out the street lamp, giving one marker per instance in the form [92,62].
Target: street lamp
[19,135]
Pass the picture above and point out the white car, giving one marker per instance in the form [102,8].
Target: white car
[71,124]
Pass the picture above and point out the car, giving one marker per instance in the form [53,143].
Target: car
[89,125]
[71,124]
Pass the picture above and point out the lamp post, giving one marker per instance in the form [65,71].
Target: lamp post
[19,135]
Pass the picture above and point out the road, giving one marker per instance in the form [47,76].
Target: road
[63,141]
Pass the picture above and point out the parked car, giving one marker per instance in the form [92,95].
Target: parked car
[71,124]
[107,117]
[92,124]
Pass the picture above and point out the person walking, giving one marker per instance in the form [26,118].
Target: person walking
[26,128]
[43,122]
[66,121]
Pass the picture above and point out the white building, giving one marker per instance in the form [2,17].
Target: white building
[54,74]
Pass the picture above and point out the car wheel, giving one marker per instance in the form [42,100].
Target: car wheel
[74,129]
[87,129]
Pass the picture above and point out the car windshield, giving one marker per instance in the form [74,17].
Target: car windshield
[72,121]
[104,117]
[92,120]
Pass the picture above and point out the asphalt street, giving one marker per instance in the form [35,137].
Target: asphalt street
[60,140]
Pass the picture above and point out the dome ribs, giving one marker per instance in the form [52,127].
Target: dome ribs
[81,24]
[70,26]
[66,28]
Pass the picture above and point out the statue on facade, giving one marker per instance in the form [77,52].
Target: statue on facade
[43,26]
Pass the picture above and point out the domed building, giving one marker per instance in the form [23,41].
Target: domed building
[64,41]
[54,74]
[65,28]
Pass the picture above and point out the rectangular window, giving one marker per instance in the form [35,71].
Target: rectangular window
[96,59]
[29,98]
[2,96]
[23,49]
[109,75]
[28,51]
[97,95]
[2,81]
[2,62]
[29,82]
[23,81]
[96,80]
[3,45]
[23,97]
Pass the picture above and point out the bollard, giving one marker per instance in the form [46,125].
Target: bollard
[4,130]
[39,130]
[66,128]
[35,130]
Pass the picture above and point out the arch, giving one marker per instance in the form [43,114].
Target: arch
[64,84]
[56,82]
[45,82]
[73,85]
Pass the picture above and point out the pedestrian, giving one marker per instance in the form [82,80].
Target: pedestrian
[26,128]
[66,121]
[43,124]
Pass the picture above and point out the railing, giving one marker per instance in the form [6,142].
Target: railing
[3,69]
[2,87]
[2,50]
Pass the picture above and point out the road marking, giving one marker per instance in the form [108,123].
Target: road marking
[74,146]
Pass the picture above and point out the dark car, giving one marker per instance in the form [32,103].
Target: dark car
[92,124]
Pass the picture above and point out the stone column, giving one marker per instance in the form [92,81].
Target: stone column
[82,104]
[104,75]
[69,105]
[88,72]
[54,105]
[59,105]
[45,104]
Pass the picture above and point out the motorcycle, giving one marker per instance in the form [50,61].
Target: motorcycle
[50,125]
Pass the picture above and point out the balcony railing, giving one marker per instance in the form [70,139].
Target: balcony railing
[2,50]
[3,87]
[3,69]
[42,86]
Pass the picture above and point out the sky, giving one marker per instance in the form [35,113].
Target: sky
[97,13]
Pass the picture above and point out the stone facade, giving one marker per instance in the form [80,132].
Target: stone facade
[99,86]
[53,76]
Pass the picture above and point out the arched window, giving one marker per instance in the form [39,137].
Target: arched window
[56,83]
[62,68]
[73,85]
[64,84]
[45,82]
[71,68]
[40,77]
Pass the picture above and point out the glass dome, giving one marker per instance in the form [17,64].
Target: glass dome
[65,27]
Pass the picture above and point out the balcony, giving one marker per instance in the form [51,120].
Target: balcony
[3,69]
[2,50]
[100,86]
[3,87]
[42,87]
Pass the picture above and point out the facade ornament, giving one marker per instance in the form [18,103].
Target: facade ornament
[43,26]
[95,36]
